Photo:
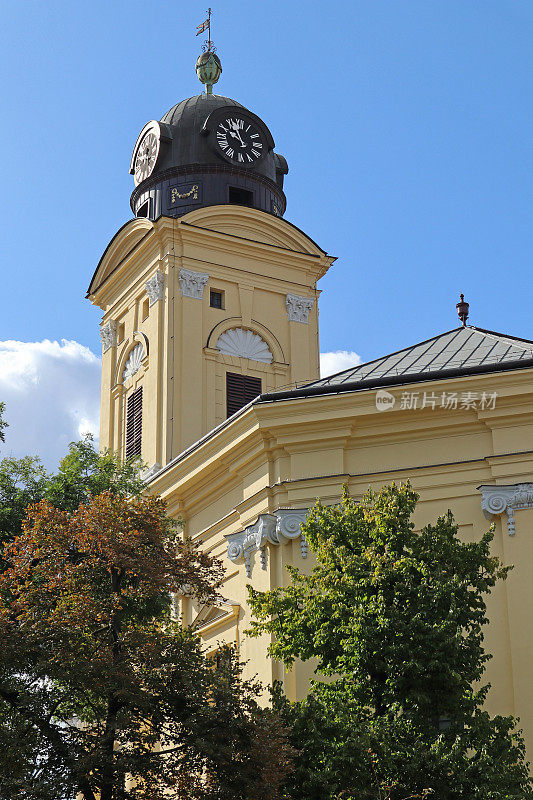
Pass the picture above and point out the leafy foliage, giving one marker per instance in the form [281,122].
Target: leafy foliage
[98,683]
[394,620]
[3,423]
[23,482]
[82,474]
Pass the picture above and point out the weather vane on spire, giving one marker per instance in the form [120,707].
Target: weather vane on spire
[208,66]
[208,46]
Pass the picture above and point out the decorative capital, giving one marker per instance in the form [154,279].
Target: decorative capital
[154,287]
[298,308]
[108,335]
[192,283]
[278,528]
[496,500]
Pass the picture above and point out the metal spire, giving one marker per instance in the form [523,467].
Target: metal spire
[208,66]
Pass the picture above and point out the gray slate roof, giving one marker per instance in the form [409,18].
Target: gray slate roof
[464,348]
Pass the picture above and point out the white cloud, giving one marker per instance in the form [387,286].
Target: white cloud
[52,396]
[330,363]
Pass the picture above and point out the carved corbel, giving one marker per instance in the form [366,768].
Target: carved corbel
[496,500]
[278,528]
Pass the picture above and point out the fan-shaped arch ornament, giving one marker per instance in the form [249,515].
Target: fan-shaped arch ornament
[244,344]
[134,362]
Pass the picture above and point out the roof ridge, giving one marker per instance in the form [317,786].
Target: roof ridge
[495,334]
[494,341]
[387,355]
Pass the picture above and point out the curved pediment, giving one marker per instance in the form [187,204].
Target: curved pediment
[122,243]
[257,226]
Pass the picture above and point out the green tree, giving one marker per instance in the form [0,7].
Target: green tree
[394,619]
[3,423]
[83,473]
[98,682]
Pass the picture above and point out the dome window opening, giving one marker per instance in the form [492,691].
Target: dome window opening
[144,209]
[241,197]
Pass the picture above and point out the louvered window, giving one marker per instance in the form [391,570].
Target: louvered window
[240,389]
[134,421]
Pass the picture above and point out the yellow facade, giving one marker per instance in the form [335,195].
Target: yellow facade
[225,477]
[255,260]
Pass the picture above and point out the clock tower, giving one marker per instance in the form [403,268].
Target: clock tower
[209,295]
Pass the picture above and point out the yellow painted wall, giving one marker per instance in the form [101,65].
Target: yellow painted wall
[289,453]
[286,454]
[255,259]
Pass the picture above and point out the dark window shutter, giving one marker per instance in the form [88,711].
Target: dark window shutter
[240,390]
[134,421]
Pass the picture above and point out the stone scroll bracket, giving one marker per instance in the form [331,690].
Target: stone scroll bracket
[277,528]
[496,500]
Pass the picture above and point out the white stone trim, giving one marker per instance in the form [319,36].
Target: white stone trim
[192,283]
[496,500]
[244,344]
[155,287]
[108,335]
[278,528]
[298,308]
[134,362]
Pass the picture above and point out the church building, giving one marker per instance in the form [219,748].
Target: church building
[210,372]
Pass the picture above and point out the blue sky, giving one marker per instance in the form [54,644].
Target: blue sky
[406,125]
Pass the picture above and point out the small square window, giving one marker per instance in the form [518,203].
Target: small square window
[216,299]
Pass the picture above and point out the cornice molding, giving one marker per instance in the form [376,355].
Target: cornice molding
[497,500]
[278,528]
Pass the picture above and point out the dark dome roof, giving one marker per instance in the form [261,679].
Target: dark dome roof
[188,157]
[183,124]
[192,113]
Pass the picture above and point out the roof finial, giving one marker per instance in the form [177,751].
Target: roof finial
[462,309]
[208,66]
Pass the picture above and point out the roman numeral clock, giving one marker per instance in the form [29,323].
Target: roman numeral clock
[206,150]
[238,136]
[239,140]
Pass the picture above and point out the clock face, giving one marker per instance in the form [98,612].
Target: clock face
[146,157]
[239,140]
